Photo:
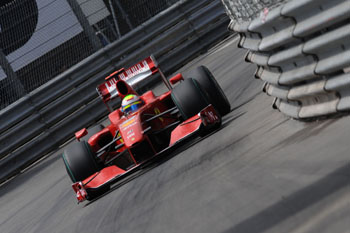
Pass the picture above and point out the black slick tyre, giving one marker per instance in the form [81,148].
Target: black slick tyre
[208,82]
[189,98]
[79,162]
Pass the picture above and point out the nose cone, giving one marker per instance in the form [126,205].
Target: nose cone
[131,130]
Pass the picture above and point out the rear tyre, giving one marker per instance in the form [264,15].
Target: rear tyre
[208,82]
[189,98]
[79,162]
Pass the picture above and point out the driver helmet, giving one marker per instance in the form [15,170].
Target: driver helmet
[131,103]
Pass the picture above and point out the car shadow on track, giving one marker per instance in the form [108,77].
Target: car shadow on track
[333,183]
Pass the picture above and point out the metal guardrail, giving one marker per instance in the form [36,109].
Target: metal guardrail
[302,49]
[46,118]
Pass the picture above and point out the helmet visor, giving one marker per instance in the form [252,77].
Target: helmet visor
[132,107]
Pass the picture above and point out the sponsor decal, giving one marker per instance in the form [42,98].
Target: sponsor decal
[111,87]
[130,134]
[157,111]
[209,116]
[137,69]
[131,122]
[121,140]
[212,116]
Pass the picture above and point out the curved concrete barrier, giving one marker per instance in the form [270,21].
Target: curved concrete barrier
[302,50]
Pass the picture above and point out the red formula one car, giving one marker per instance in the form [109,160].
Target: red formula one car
[192,106]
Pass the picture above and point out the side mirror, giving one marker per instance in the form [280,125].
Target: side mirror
[176,79]
[81,133]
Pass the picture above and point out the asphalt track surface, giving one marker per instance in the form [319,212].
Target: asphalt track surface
[261,172]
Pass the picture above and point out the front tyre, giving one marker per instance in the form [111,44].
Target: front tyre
[189,98]
[79,161]
[208,82]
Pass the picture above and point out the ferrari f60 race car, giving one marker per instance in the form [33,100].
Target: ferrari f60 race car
[192,106]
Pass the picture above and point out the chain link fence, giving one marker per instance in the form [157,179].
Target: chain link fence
[40,39]
[246,10]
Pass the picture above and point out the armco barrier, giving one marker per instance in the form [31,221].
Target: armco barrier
[46,118]
[302,49]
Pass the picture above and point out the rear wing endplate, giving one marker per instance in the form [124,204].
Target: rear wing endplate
[133,75]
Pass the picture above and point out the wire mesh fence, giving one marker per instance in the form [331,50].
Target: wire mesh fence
[40,39]
[245,10]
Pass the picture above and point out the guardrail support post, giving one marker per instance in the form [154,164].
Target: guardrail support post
[96,44]
[114,18]
[17,88]
[126,16]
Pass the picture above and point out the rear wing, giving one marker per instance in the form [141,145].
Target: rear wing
[133,75]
